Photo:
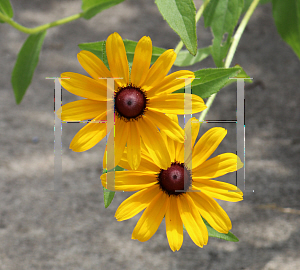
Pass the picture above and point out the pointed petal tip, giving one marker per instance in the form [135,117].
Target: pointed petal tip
[118,217]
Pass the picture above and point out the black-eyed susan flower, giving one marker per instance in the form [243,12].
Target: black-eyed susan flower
[141,99]
[181,194]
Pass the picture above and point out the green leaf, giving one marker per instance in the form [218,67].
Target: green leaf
[26,63]
[97,49]
[213,233]
[287,19]
[247,4]
[222,16]
[184,58]
[242,74]
[262,2]
[93,7]
[104,56]
[211,80]
[181,17]
[108,195]
[6,9]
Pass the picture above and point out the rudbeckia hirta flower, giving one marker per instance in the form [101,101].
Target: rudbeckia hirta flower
[142,98]
[178,192]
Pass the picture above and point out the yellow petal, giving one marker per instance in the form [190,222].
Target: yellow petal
[174,228]
[80,110]
[159,69]
[136,203]
[173,117]
[117,59]
[151,218]
[93,66]
[84,86]
[109,160]
[89,135]
[174,104]
[141,61]
[218,166]
[218,190]
[171,149]
[130,180]
[179,152]
[121,134]
[171,83]
[192,220]
[191,131]
[133,146]
[211,211]
[154,143]
[207,144]
[146,163]
[170,145]
[165,124]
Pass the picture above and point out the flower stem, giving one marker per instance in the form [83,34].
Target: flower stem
[231,52]
[40,28]
[239,32]
[198,16]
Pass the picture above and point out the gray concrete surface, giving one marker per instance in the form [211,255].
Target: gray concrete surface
[71,229]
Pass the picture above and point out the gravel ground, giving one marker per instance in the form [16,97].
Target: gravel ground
[71,229]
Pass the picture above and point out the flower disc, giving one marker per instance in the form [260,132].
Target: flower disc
[175,180]
[130,102]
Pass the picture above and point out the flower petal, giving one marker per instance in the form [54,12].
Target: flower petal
[218,166]
[165,124]
[179,152]
[141,61]
[192,220]
[174,103]
[151,218]
[170,146]
[93,66]
[146,164]
[207,144]
[193,125]
[121,134]
[159,69]
[84,86]
[211,211]
[117,59]
[171,83]
[174,228]
[80,110]
[154,143]
[218,190]
[173,117]
[130,180]
[136,203]
[133,146]
[184,152]
[89,135]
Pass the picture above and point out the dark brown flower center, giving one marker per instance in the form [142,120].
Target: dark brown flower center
[130,102]
[175,180]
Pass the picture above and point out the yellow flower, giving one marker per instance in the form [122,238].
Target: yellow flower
[141,100]
[180,193]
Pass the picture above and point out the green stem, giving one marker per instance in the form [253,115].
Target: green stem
[231,52]
[40,28]
[239,32]
[198,16]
